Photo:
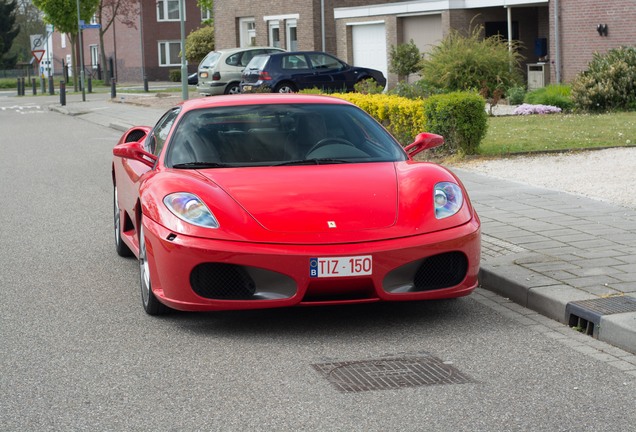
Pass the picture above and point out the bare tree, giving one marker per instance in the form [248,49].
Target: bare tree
[108,12]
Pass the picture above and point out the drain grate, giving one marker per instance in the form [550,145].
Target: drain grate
[586,314]
[390,373]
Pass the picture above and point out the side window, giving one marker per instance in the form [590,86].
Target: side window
[156,140]
[234,59]
[324,62]
[294,61]
[247,56]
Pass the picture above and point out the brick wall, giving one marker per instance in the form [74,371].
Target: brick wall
[579,38]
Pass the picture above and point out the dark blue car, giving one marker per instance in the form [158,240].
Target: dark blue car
[289,72]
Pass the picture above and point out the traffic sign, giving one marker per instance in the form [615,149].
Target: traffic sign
[90,26]
[38,54]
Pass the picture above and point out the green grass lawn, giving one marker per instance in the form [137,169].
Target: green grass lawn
[536,133]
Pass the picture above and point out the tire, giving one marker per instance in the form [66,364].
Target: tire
[233,88]
[151,305]
[122,249]
[285,87]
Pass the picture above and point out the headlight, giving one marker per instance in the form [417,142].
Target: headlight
[448,199]
[203,74]
[189,207]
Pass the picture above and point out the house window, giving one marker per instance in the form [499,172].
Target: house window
[168,10]
[206,14]
[63,40]
[274,34]
[94,56]
[169,53]
[94,19]
[248,32]
[292,36]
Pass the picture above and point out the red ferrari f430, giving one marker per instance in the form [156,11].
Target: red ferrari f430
[263,201]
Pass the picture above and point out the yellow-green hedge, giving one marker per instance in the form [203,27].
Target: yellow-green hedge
[403,117]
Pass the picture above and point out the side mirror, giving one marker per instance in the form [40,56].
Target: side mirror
[134,151]
[423,141]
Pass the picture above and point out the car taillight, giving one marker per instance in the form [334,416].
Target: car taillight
[216,76]
[264,76]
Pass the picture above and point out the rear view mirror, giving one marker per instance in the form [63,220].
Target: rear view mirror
[423,141]
[135,151]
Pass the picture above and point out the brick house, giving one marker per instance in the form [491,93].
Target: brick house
[157,34]
[362,31]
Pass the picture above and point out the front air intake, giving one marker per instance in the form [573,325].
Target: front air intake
[222,281]
[441,271]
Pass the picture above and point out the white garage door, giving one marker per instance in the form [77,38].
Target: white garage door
[369,46]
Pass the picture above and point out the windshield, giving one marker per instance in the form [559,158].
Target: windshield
[279,134]
[210,60]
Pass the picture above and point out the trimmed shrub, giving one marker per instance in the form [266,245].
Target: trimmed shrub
[515,95]
[460,117]
[174,75]
[557,95]
[609,83]
[403,118]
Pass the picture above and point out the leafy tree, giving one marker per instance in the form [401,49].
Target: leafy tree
[199,43]
[8,31]
[469,63]
[63,15]
[405,59]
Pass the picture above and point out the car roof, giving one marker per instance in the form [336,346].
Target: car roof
[260,99]
[235,50]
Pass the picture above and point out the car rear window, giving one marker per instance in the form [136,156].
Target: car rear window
[210,60]
[258,62]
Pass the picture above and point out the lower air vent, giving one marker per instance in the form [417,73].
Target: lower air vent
[441,271]
[222,281]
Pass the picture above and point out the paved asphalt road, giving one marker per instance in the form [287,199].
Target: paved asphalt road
[78,353]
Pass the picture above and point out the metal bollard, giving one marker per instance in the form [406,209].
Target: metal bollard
[34,87]
[23,81]
[145,84]
[19,87]
[42,85]
[90,85]
[62,93]
[113,89]
[51,86]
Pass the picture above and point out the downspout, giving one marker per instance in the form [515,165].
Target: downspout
[509,10]
[322,24]
[557,42]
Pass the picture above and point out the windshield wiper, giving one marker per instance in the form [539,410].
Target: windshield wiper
[314,161]
[195,165]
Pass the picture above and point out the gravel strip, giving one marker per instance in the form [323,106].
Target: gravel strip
[607,175]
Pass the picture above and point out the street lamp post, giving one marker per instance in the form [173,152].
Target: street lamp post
[184,67]
[81,48]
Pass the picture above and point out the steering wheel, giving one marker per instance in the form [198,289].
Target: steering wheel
[330,140]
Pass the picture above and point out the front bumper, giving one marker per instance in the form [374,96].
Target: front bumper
[196,274]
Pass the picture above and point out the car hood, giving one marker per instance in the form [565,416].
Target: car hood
[322,198]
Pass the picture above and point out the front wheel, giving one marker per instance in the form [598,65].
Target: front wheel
[151,305]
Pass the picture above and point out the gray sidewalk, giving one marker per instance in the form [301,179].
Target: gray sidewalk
[570,258]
